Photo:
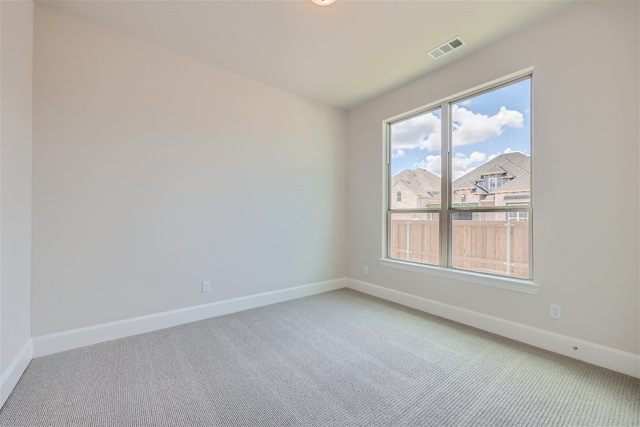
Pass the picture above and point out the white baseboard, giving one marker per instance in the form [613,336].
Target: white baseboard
[606,357]
[76,338]
[16,368]
[599,355]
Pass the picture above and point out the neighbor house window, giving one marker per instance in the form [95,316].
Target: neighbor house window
[399,196]
[492,183]
[457,145]
[518,216]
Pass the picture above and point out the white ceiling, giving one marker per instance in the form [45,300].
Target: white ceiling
[341,54]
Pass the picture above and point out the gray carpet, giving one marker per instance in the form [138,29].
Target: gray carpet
[335,359]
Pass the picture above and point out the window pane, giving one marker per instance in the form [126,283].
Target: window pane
[416,162]
[490,243]
[415,237]
[491,140]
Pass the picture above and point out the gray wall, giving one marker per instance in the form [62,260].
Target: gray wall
[586,182]
[16,25]
[154,172]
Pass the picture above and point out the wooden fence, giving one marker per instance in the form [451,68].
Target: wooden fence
[498,247]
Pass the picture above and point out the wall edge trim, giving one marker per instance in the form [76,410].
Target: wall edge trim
[14,371]
[595,354]
[68,340]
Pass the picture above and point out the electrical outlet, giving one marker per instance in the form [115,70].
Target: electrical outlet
[206,286]
[555,311]
[366,269]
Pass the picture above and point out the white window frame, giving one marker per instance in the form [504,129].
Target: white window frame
[493,183]
[518,216]
[446,211]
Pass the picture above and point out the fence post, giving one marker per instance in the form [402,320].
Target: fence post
[408,240]
[509,225]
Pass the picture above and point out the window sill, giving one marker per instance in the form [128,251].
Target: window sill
[512,284]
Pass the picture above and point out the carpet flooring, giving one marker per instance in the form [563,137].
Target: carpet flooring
[335,359]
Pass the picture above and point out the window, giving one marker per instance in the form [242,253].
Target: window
[492,184]
[518,216]
[399,196]
[477,145]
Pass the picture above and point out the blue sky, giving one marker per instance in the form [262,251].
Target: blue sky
[484,126]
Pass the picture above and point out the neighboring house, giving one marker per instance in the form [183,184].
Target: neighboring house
[414,189]
[502,181]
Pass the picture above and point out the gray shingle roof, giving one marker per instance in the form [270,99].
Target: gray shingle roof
[511,165]
[420,181]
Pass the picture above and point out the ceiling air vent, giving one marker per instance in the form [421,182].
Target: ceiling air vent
[448,47]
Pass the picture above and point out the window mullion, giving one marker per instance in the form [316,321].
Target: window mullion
[445,185]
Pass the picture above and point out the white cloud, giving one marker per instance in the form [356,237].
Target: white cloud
[462,164]
[468,128]
[431,163]
[397,153]
[477,156]
[419,132]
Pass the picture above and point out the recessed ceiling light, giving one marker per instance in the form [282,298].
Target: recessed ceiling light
[323,2]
